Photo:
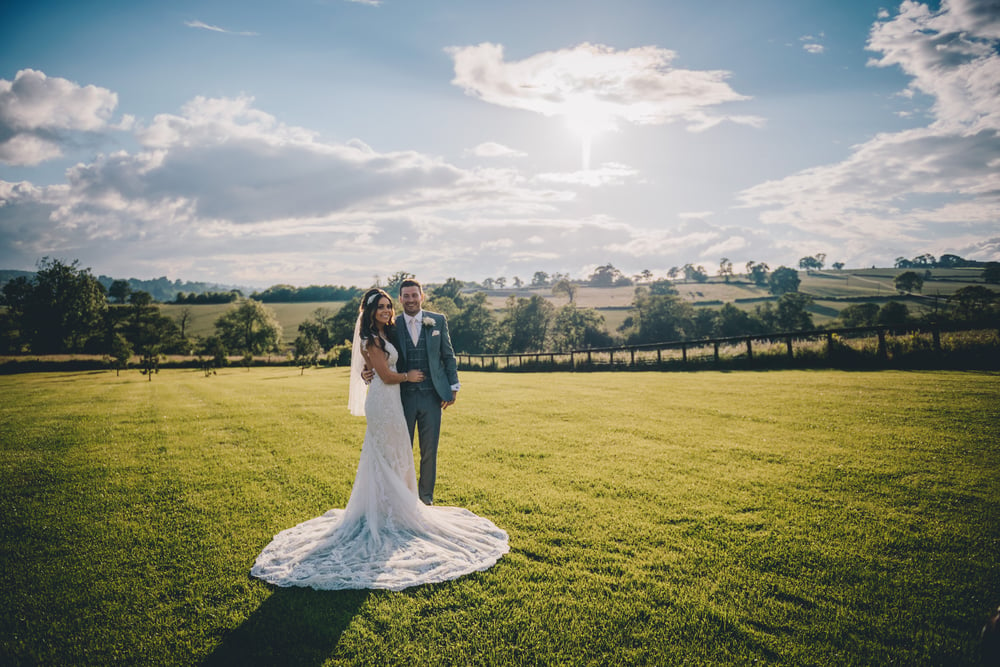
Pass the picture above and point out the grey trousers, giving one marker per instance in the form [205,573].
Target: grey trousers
[422,409]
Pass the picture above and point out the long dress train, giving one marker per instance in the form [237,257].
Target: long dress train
[385,537]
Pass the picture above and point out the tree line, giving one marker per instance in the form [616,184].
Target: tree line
[62,308]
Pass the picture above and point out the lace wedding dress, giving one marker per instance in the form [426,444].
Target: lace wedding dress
[385,538]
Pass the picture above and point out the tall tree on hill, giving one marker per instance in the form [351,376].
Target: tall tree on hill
[757,272]
[909,281]
[250,327]
[725,268]
[564,286]
[783,281]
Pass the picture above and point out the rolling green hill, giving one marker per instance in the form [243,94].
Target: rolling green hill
[832,291]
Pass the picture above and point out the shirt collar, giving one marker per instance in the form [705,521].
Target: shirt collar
[418,317]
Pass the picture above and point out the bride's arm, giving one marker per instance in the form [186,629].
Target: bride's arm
[378,361]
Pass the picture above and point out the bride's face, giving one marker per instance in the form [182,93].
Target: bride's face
[383,312]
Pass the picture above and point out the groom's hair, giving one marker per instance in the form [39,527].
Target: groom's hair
[410,282]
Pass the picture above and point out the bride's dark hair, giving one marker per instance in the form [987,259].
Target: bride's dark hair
[369,329]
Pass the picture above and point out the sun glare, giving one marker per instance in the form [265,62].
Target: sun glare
[588,118]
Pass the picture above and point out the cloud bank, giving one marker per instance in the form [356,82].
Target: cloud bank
[637,86]
[900,188]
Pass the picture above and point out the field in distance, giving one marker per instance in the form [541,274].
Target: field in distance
[828,288]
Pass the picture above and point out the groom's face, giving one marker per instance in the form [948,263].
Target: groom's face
[411,298]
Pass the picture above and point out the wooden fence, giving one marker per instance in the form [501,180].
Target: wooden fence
[847,347]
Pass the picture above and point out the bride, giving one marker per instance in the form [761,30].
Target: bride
[385,537]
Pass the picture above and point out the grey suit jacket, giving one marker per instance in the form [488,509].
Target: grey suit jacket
[440,353]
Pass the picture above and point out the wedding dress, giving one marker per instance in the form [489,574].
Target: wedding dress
[385,537]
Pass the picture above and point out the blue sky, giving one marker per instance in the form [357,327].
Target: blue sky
[330,141]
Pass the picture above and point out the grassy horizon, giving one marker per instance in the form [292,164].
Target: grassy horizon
[784,517]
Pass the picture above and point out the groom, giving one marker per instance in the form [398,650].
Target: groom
[424,344]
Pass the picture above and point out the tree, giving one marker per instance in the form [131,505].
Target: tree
[488,283]
[540,279]
[250,327]
[526,323]
[564,286]
[839,266]
[787,314]
[859,315]
[608,276]
[183,318]
[645,275]
[393,282]
[60,310]
[893,313]
[725,268]
[812,263]
[909,281]
[696,273]
[757,273]
[732,321]
[792,314]
[518,283]
[500,282]
[306,351]
[657,318]
[119,290]
[973,302]
[662,287]
[783,281]
[121,353]
[452,288]
[474,327]
[673,272]
[574,328]
[947,261]
[991,272]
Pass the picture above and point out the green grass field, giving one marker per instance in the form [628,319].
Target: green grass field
[797,518]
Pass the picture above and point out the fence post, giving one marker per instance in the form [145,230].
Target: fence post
[788,344]
[716,351]
[684,353]
[936,332]
[659,356]
[632,355]
[749,350]
[829,344]
[882,352]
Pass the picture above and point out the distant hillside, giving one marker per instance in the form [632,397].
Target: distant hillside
[161,289]
[6,275]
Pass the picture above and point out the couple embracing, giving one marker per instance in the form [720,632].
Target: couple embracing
[391,535]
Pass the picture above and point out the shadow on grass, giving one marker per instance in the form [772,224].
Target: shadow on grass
[295,626]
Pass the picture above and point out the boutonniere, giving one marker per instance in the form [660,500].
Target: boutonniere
[428,322]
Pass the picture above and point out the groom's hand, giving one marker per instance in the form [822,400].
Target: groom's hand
[367,374]
[454,397]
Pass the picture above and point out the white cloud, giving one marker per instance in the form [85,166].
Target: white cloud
[597,85]
[897,187]
[607,174]
[493,149]
[813,48]
[214,28]
[37,112]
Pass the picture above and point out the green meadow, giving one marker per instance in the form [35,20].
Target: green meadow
[785,517]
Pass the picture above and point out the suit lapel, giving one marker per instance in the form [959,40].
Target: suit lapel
[400,332]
